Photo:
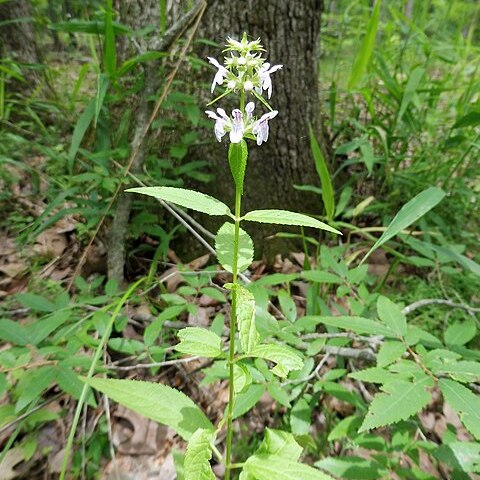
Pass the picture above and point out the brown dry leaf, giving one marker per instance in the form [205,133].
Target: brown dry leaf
[201,318]
[199,262]
[134,434]
[7,467]
[50,243]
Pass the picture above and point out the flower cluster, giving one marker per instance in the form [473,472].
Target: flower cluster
[245,72]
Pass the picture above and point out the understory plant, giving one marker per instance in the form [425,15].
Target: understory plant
[246,75]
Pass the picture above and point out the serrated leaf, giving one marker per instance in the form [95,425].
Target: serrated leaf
[278,442]
[408,214]
[224,240]
[460,333]
[285,358]
[390,351]
[284,217]
[356,324]
[391,314]
[268,467]
[464,402]
[399,401]
[185,198]
[237,159]
[198,455]
[463,371]
[199,341]
[245,303]
[158,402]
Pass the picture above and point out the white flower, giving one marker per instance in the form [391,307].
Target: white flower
[231,84]
[249,107]
[236,133]
[265,80]
[221,121]
[248,86]
[260,127]
[220,75]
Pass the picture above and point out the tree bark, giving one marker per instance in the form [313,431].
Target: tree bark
[289,30]
[18,42]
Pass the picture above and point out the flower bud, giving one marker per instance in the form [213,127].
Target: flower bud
[248,86]
[242,61]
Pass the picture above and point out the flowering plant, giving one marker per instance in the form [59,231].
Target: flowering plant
[244,73]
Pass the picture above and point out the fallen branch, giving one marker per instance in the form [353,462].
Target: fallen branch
[439,301]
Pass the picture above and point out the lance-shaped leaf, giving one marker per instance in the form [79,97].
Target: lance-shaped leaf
[185,198]
[198,455]
[224,241]
[464,371]
[408,214]
[268,467]
[245,303]
[155,401]
[391,314]
[286,359]
[284,217]
[237,159]
[400,401]
[199,341]
[464,402]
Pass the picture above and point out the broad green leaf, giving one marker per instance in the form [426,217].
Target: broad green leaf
[158,402]
[322,171]
[153,330]
[245,304]
[198,455]
[42,328]
[391,314]
[353,467]
[318,276]
[35,302]
[224,248]
[471,119]
[463,371]
[408,214]
[32,384]
[185,198]
[285,358]
[400,401]
[248,399]
[356,324]
[344,428]
[269,467]
[242,378]
[277,392]
[460,455]
[464,402]
[287,305]
[68,381]
[301,417]
[389,352]
[278,442]
[13,332]
[79,131]
[364,54]
[199,341]
[284,217]
[237,159]
[460,333]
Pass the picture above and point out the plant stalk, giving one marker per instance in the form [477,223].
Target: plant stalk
[233,322]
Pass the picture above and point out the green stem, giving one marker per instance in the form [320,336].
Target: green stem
[233,322]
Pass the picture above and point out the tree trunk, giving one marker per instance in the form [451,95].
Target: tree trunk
[17,38]
[289,30]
